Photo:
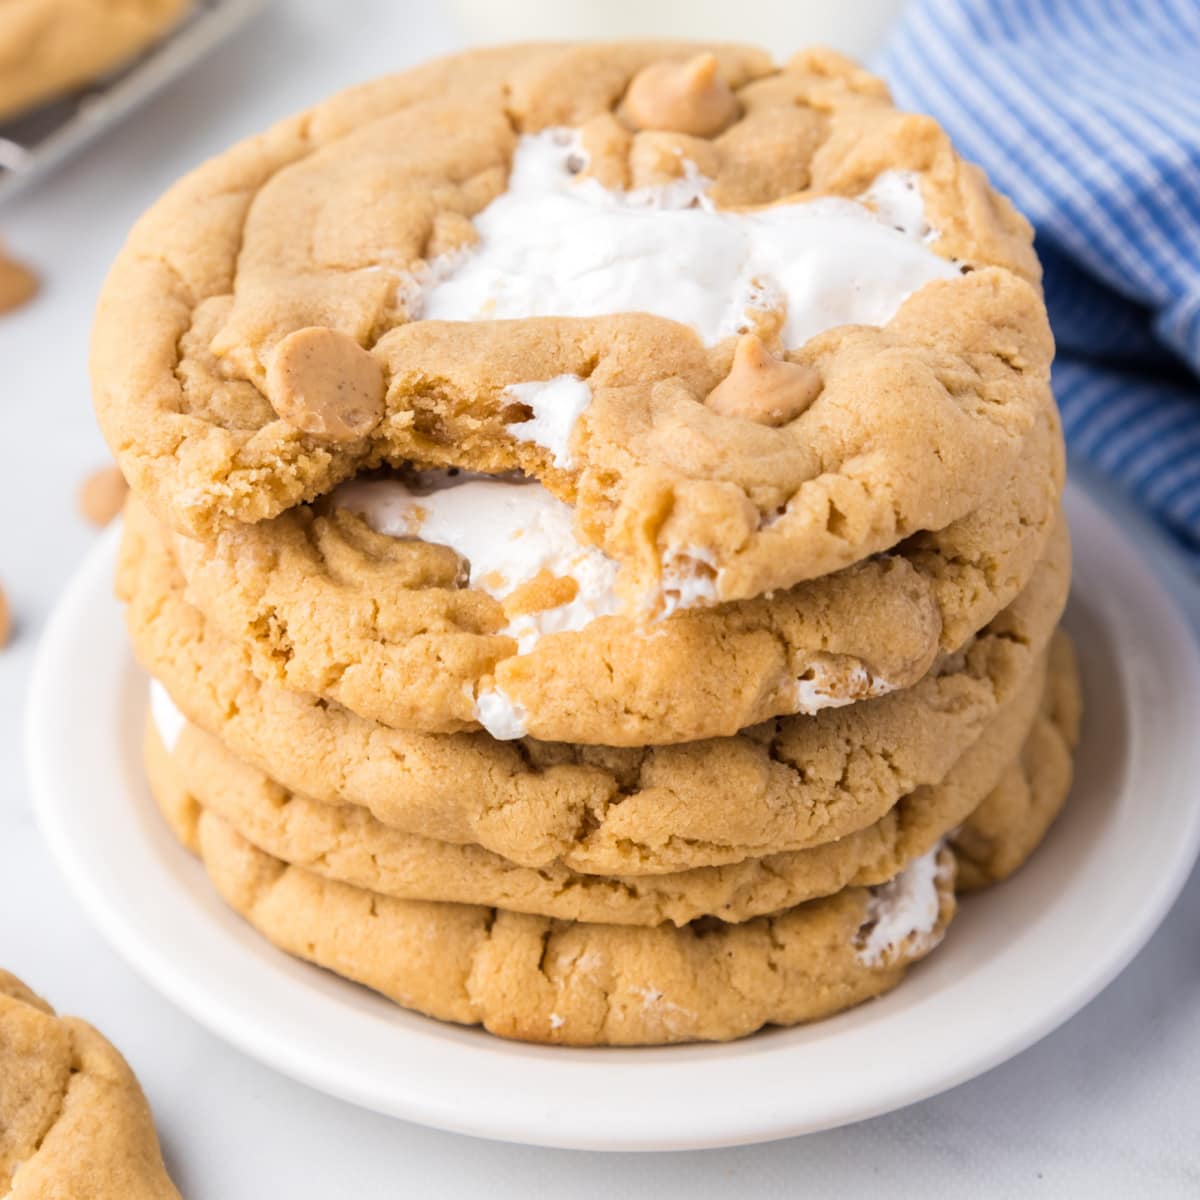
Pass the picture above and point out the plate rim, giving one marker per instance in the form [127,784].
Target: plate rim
[534,1121]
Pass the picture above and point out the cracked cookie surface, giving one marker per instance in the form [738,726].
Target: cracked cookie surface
[536,979]
[348,845]
[539,979]
[783,785]
[372,217]
[73,1119]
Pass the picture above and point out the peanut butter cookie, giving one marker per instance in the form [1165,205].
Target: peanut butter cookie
[435,605]
[421,272]
[540,980]
[1007,827]
[347,844]
[73,1120]
[783,785]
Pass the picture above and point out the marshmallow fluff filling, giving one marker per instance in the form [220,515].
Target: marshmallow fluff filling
[554,405]
[168,720]
[510,532]
[815,689]
[903,912]
[555,244]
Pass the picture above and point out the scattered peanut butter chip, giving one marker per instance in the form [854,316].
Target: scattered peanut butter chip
[101,495]
[5,620]
[691,97]
[18,284]
[763,388]
[324,383]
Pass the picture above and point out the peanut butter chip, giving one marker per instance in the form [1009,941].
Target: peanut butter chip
[5,620]
[102,495]
[762,388]
[324,383]
[690,97]
[18,284]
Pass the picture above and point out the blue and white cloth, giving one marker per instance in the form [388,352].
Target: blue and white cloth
[1087,114]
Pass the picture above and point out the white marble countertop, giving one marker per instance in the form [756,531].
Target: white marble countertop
[1107,1106]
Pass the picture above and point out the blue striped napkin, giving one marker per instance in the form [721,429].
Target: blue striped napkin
[1087,113]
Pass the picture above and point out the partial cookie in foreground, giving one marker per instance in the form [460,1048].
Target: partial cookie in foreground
[1005,830]
[788,784]
[73,1120]
[470,602]
[476,321]
[48,47]
[346,844]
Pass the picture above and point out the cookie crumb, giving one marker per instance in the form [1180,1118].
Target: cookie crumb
[102,495]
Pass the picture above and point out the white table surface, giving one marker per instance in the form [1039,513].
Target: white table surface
[1107,1106]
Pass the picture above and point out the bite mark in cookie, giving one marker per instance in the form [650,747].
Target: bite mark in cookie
[321,587]
[509,532]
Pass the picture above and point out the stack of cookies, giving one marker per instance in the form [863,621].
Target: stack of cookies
[595,536]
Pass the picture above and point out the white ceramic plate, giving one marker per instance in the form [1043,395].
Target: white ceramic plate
[1018,961]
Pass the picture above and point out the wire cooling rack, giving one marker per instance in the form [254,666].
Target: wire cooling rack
[33,142]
